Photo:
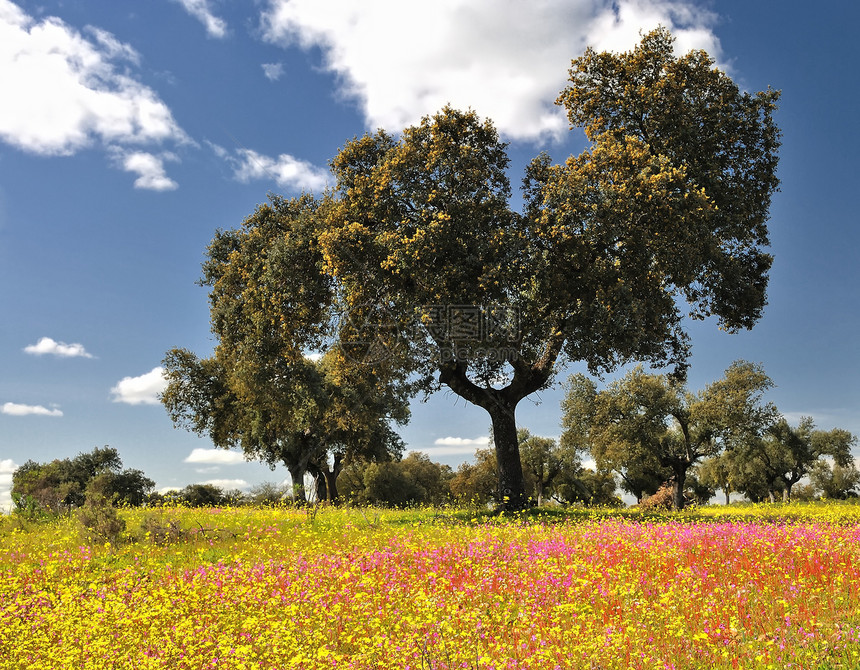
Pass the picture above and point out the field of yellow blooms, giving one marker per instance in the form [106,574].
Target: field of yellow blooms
[747,587]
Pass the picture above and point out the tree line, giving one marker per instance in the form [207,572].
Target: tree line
[650,430]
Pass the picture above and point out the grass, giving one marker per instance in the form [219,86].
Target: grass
[752,586]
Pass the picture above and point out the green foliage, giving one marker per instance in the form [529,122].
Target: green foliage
[415,480]
[395,270]
[477,483]
[267,493]
[835,481]
[649,429]
[787,454]
[202,495]
[98,518]
[62,484]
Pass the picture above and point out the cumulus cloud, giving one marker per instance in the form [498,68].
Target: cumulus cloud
[149,169]
[46,345]
[216,456]
[200,10]
[505,59]
[142,390]
[64,89]
[15,409]
[285,170]
[273,71]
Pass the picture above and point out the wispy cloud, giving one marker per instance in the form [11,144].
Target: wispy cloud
[507,60]
[200,10]
[273,71]
[286,171]
[46,345]
[64,90]
[215,456]
[142,390]
[15,409]
[455,446]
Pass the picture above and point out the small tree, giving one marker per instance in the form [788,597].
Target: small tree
[63,483]
[787,454]
[835,481]
[543,460]
[478,482]
[201,495]
[649,428]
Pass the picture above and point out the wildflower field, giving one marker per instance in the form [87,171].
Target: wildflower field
[736,587]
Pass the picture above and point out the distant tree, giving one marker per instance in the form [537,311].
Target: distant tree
[835,481]
[310,415]
[267,493]
[648,428]
[720,472]
[542,459]
[586,486]
[432,479]
[787,454]
[477,482]
[413,480]
[64,482]
[201,495]
[698,491]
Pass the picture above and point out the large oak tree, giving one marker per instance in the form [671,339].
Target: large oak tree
[416,265]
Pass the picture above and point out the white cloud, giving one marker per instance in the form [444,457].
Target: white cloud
[200,10]
[46,345]
[506,59]
[216,456]
[64,90]
[142,390]
[149,168]
[453,446]
[273,71]
[14,409]
[285,170]
[463,441]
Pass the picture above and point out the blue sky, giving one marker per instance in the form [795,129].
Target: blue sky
[130,131]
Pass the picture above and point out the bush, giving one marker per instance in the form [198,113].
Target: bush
[99,520]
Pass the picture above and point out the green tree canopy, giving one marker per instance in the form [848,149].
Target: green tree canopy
[416,265]
[788,453]
[648,427]
[64,482]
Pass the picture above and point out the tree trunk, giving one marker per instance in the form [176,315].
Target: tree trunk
[678,491]
[501,405]
[511,492]
[297,475]
[728,494]
[786,492]
[331,478]
[320,486]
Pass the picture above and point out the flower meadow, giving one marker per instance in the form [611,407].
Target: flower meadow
[434,589]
